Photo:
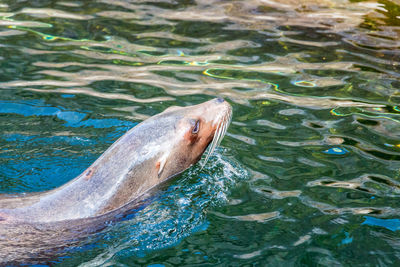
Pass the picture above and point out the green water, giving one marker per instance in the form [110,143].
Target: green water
[309,172]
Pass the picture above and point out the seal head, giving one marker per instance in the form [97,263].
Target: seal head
[195,128]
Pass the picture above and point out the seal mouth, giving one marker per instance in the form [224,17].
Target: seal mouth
[219,134]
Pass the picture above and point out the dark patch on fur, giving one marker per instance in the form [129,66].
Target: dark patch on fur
[89,174]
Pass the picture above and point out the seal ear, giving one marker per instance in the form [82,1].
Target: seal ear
[161,163]
[171,108]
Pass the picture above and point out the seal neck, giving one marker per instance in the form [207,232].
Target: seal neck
[122,173]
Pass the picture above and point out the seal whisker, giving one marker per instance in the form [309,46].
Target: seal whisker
[212,145]
[222,132]
[219,135]
[225,123]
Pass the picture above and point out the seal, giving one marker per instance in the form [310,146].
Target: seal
[149,154]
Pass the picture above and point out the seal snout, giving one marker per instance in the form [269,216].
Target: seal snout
[219,100]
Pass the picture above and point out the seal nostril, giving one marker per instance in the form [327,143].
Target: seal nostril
[220,100]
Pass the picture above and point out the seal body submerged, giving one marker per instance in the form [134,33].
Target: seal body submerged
[150,153]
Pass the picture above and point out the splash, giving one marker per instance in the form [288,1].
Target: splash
[175,214]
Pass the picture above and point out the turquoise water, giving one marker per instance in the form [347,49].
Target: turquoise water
[309,172]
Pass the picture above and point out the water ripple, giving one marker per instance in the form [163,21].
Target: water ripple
[314,89]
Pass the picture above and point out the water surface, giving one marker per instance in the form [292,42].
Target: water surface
[308,173]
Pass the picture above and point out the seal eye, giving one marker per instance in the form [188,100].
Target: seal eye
[196,127]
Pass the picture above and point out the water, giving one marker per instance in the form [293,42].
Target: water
[308,173]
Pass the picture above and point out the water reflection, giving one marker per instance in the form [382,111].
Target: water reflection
[310,167]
